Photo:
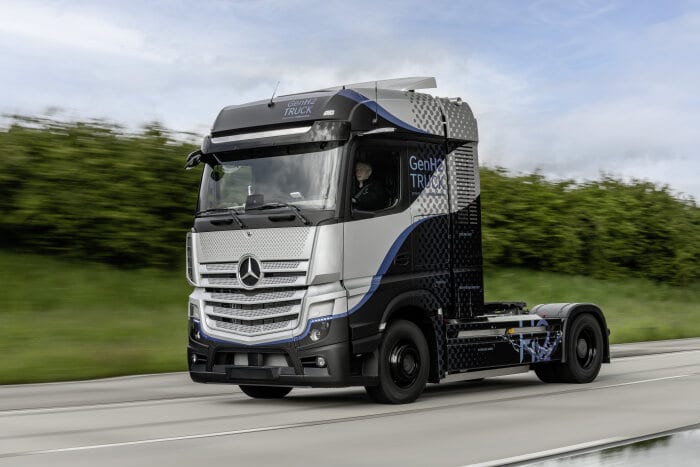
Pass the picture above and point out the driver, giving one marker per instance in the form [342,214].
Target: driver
[368,194]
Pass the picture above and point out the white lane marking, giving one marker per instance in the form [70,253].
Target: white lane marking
[548,453]
[97,380]
[641,381]
[164,440]
[111,405]
[302,425]
[663,354]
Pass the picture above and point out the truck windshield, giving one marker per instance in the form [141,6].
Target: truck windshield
[303,176]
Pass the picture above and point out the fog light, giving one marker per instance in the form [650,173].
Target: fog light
[315,334]
[194,358]
[320,362]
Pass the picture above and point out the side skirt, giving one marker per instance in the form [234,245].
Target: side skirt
[479,374]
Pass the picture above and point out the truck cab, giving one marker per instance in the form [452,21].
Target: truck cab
[337,242]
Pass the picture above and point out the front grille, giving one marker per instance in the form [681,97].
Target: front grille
[274,274]
[271,306]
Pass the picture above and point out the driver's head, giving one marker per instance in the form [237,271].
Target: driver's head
[362,171]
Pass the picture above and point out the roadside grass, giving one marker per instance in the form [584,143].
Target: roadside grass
[635,309]
[62,320]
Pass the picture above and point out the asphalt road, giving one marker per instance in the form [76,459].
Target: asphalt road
[167,420]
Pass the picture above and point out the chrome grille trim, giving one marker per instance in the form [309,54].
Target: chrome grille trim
[235,296]
[269,266]
[275,274]
[216,267]
[284,265]
[255,330]
[253,314]
[219,281]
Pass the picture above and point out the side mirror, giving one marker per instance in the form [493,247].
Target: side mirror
[193,159]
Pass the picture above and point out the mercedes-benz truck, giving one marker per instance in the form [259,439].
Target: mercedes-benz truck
[337,242]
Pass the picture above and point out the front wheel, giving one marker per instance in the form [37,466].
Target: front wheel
[265,392]
[404,363]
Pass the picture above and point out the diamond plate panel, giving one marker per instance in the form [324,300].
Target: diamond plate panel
[463,166]
[294,243]
[426,113]
[461,123]
[440,346]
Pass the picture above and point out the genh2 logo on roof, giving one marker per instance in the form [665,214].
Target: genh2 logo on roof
[249,271]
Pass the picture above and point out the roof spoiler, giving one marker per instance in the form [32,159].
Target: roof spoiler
[410,83]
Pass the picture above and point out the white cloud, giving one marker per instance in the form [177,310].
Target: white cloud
[556,87]
[54,26]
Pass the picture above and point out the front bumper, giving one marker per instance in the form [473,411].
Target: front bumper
[290,363]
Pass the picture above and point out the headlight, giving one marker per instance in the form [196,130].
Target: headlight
[319,330]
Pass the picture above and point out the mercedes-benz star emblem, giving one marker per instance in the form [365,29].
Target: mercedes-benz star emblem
[249,271]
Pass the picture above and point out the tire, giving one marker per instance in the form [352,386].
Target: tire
[265,392]
[548,372]
[584,351]
[404,364]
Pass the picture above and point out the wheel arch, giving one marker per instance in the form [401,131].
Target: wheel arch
[411,306]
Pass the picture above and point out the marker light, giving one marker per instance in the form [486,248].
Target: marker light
[194,311]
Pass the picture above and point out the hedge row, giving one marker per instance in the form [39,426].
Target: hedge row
[92,190]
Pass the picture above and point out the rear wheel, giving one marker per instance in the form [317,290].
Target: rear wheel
[404,363]
[265,392]
[584,351]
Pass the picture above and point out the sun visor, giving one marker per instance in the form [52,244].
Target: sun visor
[319,131]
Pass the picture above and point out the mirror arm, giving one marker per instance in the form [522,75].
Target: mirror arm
[193,159]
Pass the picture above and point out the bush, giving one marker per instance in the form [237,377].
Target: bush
[90,190]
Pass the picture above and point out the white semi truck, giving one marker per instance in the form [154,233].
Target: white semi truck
[337,242]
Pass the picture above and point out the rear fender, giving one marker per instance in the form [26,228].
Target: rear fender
[567,312]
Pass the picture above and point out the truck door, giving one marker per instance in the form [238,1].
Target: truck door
[376,251]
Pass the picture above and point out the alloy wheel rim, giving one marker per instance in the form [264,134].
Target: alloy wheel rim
[404,364]
[586,348]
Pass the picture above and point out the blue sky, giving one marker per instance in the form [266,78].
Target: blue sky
[573,88]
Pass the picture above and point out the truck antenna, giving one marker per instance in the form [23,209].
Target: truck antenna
[271,103]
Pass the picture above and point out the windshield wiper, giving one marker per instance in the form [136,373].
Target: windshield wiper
[230,210]
[293,207]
